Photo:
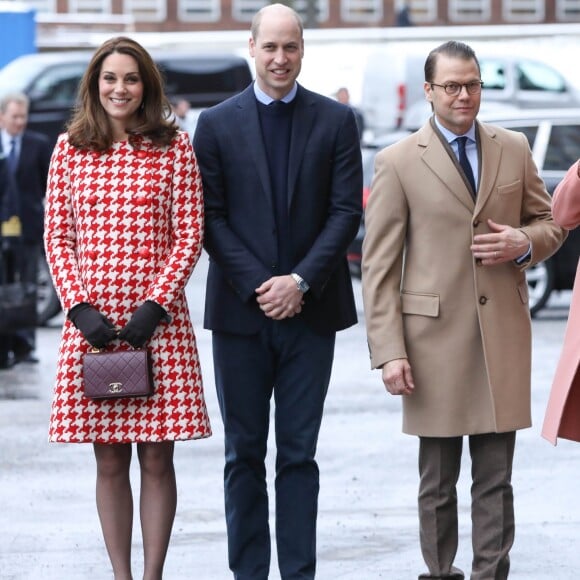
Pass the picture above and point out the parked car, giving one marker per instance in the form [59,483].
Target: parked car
[368,152]
[516,75]
[554,137]
[51,79]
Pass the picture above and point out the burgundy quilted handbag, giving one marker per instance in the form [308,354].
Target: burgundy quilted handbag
[120,373]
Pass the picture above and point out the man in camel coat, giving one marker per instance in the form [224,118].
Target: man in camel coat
[451,227]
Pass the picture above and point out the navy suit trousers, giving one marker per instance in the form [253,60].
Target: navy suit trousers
[290,361]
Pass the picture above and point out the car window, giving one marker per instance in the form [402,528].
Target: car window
[493,74]
[530,131]
[563,148]
[536,76]
[59,83]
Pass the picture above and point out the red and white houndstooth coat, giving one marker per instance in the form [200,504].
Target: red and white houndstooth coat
[122,227]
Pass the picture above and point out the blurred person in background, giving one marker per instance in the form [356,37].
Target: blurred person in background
[26,156]
[562,417]
[124,229]
[183,115]
[456,214]
[343,96]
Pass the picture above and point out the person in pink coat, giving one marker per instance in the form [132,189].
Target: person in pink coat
[563,411]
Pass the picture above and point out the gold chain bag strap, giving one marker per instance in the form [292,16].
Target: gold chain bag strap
[119,373]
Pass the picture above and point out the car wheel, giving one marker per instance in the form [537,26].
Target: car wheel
[47,303]
[540,280]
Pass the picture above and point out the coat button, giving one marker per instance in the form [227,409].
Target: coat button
[141,154]
[93,199]
[144,252]
[482,300]
[141,200]
[92,254]
[478,261]
[476,223]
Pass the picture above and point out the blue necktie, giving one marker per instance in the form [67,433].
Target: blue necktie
[464,162]
[12,160]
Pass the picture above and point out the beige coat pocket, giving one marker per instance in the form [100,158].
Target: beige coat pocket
[509,189]
[423,304]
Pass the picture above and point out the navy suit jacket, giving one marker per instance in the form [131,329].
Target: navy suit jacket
[31,179]
[324,208]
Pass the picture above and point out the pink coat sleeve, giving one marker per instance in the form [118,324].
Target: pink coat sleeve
[566,200]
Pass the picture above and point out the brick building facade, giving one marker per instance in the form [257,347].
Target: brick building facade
[198,15]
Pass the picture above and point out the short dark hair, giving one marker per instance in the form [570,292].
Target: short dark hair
[451,48]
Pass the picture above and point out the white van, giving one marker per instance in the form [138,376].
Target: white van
[393,80]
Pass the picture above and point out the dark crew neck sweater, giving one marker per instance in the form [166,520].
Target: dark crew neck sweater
[276,124]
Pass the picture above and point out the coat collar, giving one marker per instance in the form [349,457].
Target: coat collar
[436,156]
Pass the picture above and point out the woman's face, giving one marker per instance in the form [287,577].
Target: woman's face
[120,91]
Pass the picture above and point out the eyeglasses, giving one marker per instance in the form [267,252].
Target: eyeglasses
[454,89]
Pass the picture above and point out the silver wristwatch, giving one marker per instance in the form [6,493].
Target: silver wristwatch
[300,282]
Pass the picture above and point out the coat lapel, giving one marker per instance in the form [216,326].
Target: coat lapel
[249,124]
[302,123]
[437,158]
[490,154]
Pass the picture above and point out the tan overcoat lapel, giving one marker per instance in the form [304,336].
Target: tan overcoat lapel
[445,170]
[489,162]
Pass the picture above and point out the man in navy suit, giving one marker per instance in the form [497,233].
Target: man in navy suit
[25,158]
[282,177]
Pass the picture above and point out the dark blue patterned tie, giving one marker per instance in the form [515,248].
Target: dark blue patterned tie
[464,162]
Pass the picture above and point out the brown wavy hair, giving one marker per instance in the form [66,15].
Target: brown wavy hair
[89,127]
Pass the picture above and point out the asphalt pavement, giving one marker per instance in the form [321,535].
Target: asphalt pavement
[367,527]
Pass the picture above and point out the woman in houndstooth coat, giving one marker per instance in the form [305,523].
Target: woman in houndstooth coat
[123,232]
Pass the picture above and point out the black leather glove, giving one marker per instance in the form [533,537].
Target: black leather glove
[143,323]
[95,327]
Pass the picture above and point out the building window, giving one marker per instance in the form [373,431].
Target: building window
[44,6]
[146,10]
[567,10]
[320,6]
[361,10]
[523,10]
[244,10]
[89,6]
[422,11]
[199,10]
[469,11]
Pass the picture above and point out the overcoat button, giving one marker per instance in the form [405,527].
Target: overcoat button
[478,261]
[141,154]
[92,254]
[141,200]
[144,252]
[93,199]
[482,300]
[476,223]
